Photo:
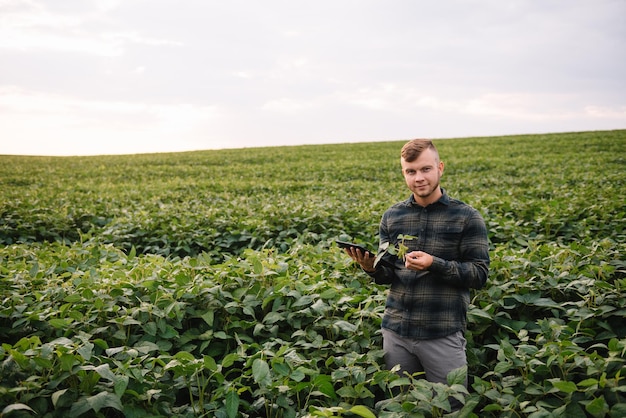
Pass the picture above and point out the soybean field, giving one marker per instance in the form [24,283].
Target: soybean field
[209,284]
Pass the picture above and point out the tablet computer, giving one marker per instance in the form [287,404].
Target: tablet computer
[345,244]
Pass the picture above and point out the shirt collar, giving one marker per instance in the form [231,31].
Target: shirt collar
[444,199]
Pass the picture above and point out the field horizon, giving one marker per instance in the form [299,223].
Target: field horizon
[512,136]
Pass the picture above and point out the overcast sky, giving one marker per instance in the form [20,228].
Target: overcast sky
[83,77]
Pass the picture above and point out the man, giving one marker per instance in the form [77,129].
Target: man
[448,253]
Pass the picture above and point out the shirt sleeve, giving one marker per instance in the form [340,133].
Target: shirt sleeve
[382,275]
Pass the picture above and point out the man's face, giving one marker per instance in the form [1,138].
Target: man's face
[422,176]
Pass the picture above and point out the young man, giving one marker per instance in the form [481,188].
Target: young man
[448,253]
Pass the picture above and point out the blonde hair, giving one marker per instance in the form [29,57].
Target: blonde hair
[412,149]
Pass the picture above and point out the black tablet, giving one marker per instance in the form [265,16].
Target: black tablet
[344,244]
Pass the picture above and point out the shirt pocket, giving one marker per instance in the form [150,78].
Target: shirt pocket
[450,234]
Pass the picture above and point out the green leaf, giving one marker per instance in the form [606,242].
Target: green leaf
[43,362]
[347,392]
[457,376]
[379,257]
[305,300]
[208,317]
[474,313]
[588,382]
[105,371]
[325,385]
[184,356]
[120,384]
[273,317]
[86,351]
[209,363]
[563,386]
[502,367]
[570,410]
[73,298]
[618,410]
[60,322]
[232,403]
[329,293]
[33,273]
[67,361]
[96,403]
[261,372]
[150,328]
[230,359]
[492,407]
[298,375]
[510,324]
[257,266]
[362,411]
[16,407]
[597,407]
[56,396]
[145,347]
[345,326]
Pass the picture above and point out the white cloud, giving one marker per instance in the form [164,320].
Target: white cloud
[289,106]
[243,74]
[136,38]
[516,105]
[107,5]
[58,125]
[30,25]
[603,112]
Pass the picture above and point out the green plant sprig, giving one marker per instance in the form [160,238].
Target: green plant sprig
[401,249]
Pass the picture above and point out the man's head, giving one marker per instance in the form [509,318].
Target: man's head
[412,149]
[422,170]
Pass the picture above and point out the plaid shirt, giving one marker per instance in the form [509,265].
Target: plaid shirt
[433,303]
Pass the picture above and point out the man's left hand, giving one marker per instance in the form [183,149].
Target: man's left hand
[418,260]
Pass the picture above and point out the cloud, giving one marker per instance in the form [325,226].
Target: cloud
[136,38]
[51,123]
[31,26]
[506,103]
[519,105]
[289,106]
[603,112]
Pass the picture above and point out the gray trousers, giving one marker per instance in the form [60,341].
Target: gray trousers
[436,357]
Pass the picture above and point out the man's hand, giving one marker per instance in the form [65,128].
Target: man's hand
[418,260]
[365,259]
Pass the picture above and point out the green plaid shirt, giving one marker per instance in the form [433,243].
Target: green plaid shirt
[433,303]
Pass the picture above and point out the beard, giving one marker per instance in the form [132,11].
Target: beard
[426,190]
